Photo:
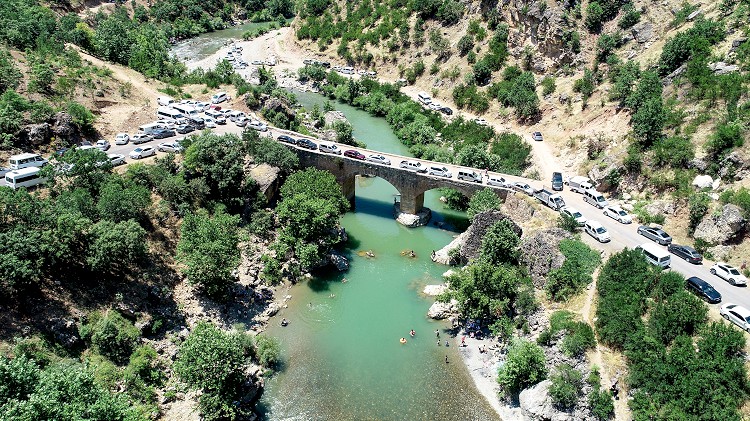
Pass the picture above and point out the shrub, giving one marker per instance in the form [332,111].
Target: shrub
[548,85]
[630,17]
[675,151]
[568,223]
[465,44]
[698,207]
[601,404]
[454,199]
[111,335]
[482,201]
[575,273]
[268,350]
[500,243]
[594,17]
[524,367]
[585,85]
[725,137]
[579,338]
[566,386]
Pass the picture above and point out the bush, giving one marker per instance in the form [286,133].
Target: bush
[268,350]
[454,199]
[585,85]
[111,335]
[465,44]
[524,367]
[675,151]
[575,273]
[594,17]
[698,207]
[601,404]
[482,201]
[630,17]
[725,137]
[548,85]
[568,223]
[566,386]
[500,243]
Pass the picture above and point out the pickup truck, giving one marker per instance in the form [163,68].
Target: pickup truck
[553,200]
[579,184]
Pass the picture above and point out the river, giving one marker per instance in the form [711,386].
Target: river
[198,48]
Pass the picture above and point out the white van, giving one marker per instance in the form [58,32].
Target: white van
[219,97]
[164,100]
[25,177]
[594,198]
[328,147]
[26,160]
[186,110]
[168,112]
[467,175]
[411,165]
[596,230]
[579,184]
[424,98]
[213,113]
[152,127]
[655,255]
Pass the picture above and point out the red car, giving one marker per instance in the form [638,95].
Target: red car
[351,153]
[214,107]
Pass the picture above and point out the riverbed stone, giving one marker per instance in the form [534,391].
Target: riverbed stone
[434,290]
[411,220]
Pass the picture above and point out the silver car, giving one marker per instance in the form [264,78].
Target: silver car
[142,152]
[379,159]
[619,215]
[655,234]
[116,159]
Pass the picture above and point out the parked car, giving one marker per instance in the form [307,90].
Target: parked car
[522,187]
[497,181]
[116,159]
[728,273]
[258,125]
[736,314]
[575,214]
[619,215]
[446,110]
[4,170]
[163,133]
[287,139]
[142,152]
[439,171]
[537,136]
[557,181]
[655,234]
[596,230]
[328,147]
[703,289]
[185,129]
[410,165]
[139,138]
[122,139]
[307,144]
[198,122]
[686,252]
[103,145]
[480,121]
[241,121]
[170,147]
[351,153]
[379,159]
[61,151]
[209,122]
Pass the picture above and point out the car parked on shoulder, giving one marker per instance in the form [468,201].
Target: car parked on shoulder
[596,230]
[497,181]
[575,214]
[703,289]
[522,187]
[116,159]
[185,129]
[439,171]
[103,145]
[351,153]
[537,136]
[411,165]
[287,139]
[728,273]
[619,215]
[258,125]
[142,152]
[307,144]
[139,138]
[328,147]
[379,159]
[736,314]
[686,252]
[655,234]
[480,121]
[446,110]
[173,147]
[163,133]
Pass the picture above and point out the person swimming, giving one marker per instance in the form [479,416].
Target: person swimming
[284,322]
[402,340]
[370,253]
[412,332]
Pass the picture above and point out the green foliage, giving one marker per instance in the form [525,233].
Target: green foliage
[585,85]
[482,201]
[270,152]
[512,153]
[725,137]
[648,121]
[698,207]
[120,200]
[575,273]
[624,78]
[116,245]
[578,338]
[268,350]
[568,223]
[594,17]
[630,17]
[694,41]
[675,151]
[680,313]
[465,44]
[208,250]
[601,404]
[10,76]
[548,85]
[606,44]
[344,133]
[111,335]
[454,199]
[500,243]
[739,197]
[517,90]
[524,367]
[566,387]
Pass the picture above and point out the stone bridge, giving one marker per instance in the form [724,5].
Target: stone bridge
[410,185]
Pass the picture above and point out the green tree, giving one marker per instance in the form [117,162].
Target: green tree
[270,152]
[110,37]
[601,404]
[575,273]
[344,133]
[116,245]
[149,51]
[111,335]
[10,76]
[208,250]
[594,17]
[566,387]
[120,200]
[482,201]
[500,243]
[41,78]
[524,367]
[214,159]
[648,121]
[698,207]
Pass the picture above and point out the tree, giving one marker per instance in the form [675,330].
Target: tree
[216,160]
[42,77]
[112,335]
[465,44]
[594,17]
[482,201]
[10,76]
[344,132]
[111,40]
[116,245]
[500,243]
[575,273]
[120,200]
[524,367]
[208,250]
[648,121]
[270,152]
[567,383]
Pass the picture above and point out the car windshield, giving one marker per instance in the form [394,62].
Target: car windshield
[622,212]
[733,271]
[577,214]
[600,230]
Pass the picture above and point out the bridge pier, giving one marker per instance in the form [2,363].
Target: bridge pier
[348,187]
[411,203]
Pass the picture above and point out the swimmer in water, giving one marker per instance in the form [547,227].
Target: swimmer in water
[332,295]
[370,253]
[343,281]
[412,332]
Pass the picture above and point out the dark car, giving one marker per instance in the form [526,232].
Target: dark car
[61,151]
[703,289]
[446,111]
[198,123]
[351,153]
[307,144]
[185,128]
[287,139]
[557,181]
[163,133]
[325,64]
[655,234]
[686,252]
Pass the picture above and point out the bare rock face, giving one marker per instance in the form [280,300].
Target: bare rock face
[439,311]
[721,68]
[341,263]
[657,207]
[598,174]
[643,32]
[279,105]
[479,226]
[720,229]
[63,126]
[36,134]
[443,256]
[541,254]
[333,117]
[543,28]
[267,178]
[535,402]
[703,181]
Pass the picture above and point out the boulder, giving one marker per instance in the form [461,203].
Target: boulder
[267,178]
[332,117]
[703,181]
[36,134]
[698,164]
[643,32]
[272,309]
[411,220]
[727,226]
[479,226]
[439,311]
[721,68]
[736,44]
[540,254]
[598,174]
[664,207]
[63,126]
[536,404]
[691,17]
[443,256]
[341,263]
[434,290]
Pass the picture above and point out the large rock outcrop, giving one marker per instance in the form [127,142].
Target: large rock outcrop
[479,225]
[440,310]
[541,254]
[723,228]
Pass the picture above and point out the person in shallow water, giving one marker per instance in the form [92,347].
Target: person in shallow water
[402,340]
[412,332]
[370,253]
[284,322]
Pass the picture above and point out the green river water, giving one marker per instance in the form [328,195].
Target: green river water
[342,359]
[198,48]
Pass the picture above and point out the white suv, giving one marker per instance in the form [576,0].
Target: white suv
[411,165]
[596,230]
[439,171]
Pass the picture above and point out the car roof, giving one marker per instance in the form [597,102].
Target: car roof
[696,280]
[742,311]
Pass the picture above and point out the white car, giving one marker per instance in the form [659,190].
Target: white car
[379,159]
[102,145]
[619,215]
[523,187]
[736,314]
[575,214]
[142,152]
[728,273]
[257,125]
[497,181]
[596,230]
[435,106]
[116,159]
[170,147]
[139,138]
[480,121]
[209,122]
[122,139]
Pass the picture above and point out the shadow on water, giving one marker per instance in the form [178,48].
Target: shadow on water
[382,209]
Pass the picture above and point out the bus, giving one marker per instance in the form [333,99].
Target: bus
[186,110]
[655,255]
[168,112]
[25,177]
